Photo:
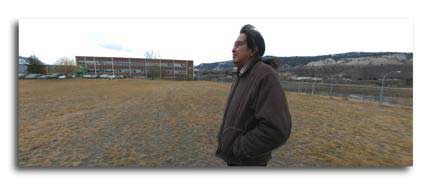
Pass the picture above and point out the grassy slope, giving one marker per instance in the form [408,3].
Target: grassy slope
[98,123]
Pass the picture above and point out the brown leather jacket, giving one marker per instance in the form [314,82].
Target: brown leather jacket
[256,118]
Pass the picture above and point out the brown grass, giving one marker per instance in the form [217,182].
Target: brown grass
[144,123]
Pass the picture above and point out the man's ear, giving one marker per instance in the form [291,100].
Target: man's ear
[254,51]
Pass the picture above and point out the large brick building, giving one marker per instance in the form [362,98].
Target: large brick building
[137,67]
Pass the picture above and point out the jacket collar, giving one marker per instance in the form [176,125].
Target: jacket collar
[245,69]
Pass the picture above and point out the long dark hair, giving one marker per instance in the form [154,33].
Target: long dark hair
[254,40]
[256,43]
[272,61]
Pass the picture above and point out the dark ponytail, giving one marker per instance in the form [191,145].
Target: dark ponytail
[271,60]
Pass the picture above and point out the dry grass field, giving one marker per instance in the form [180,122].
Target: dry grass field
[144,123]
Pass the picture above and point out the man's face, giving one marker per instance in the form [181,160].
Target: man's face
[241,53]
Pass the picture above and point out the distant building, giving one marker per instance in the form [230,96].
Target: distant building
[285,75]
[307,79]
[22,65]
[137,67]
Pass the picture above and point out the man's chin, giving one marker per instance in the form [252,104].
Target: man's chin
[236,63]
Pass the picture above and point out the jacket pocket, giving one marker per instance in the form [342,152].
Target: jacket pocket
[227,139]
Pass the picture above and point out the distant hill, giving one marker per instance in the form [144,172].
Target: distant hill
[351,58]
[216,66]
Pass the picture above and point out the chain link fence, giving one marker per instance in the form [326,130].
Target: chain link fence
[389,95]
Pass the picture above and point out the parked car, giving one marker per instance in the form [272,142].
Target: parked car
[111,76]
[21,75]
[90,76]
[32,76]
[55,75]
[43,77]
[62,77]
[104,76]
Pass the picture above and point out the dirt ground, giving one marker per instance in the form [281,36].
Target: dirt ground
[145,123]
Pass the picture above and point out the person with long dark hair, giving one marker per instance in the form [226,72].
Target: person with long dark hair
[256,118]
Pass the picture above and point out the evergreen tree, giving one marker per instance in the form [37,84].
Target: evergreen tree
[35,65]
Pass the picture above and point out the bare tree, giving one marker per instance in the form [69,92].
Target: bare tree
[151,54]
[154,70]
[66,66]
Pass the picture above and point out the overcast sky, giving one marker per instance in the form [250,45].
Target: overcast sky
[208,40]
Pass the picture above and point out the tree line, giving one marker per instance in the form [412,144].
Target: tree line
[63,65]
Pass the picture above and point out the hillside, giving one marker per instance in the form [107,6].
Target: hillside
[351,58]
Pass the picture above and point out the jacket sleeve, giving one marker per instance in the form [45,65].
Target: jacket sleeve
[273,117]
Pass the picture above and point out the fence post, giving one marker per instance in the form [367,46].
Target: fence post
[301,87]
[331,90]
[313,88]
[298,87]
